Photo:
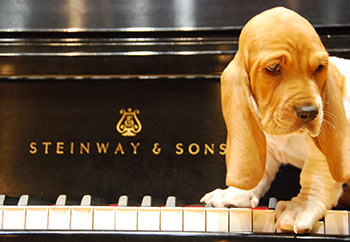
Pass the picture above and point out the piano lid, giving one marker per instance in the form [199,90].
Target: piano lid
[149,37]
[156,15]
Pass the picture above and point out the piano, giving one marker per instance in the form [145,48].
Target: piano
[102,100]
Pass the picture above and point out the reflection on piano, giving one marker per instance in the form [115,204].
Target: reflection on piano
[69,68]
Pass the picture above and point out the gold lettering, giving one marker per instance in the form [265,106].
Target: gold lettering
[33,149]
[179,148]
[59,148]
[46,145]
[71,148]
[120,149]
[222,149]
[191,151]
[85,148]
[156,149]
[102,147]
[135,147]
[209,149]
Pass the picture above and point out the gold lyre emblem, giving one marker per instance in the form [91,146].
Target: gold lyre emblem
[129,125]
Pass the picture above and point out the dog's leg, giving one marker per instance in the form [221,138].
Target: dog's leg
[318,193]
[234,197]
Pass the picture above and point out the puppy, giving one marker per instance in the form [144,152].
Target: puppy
[285,101]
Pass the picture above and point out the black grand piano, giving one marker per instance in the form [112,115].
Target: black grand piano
[119,97]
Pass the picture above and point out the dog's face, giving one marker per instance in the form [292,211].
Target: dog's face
[287,69]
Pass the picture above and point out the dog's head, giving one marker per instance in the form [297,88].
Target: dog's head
[281,82]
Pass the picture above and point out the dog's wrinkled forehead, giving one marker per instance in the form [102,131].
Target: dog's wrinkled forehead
[276,27]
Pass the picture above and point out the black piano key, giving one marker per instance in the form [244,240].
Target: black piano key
[123,201]
[61,200]
[23,200]
[272,203]
[86,200]
[171,201]
[2,199]
[146,201]
[208,205]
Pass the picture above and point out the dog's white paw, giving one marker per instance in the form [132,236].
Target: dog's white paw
[297,216]
[231,197]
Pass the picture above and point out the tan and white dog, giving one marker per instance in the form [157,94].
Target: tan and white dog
[285,101]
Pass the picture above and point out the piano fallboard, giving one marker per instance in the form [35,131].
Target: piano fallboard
[65,136]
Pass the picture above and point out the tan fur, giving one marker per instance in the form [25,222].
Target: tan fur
[263,128]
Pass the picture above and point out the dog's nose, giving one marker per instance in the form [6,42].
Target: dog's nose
[306,113]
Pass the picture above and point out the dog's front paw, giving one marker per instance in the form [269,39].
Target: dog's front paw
[231,197]
[297,216]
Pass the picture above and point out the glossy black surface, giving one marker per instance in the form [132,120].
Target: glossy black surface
[153,37]
[182,115]
[198,54]
[24,15]
[87,111]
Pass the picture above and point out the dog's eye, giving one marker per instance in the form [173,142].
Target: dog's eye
[275,68]
[319,68]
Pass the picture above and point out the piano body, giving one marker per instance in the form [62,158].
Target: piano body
[123,98]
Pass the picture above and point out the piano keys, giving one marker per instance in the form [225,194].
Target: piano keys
[168,218]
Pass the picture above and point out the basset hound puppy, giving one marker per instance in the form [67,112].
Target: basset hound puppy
[285,101]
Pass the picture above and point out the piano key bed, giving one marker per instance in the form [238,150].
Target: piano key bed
[154,223]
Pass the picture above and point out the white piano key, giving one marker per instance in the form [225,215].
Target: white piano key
[81,218]
[264,221]
[104,218]
[171,219]
[37,217]
[194,219]
[148,218]
[59,218]
[336,222]
[217,219]
[14,217]
[241,220]
[318,228]
[126,218]
[1,215]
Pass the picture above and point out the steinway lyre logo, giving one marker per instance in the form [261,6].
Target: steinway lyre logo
[129,124]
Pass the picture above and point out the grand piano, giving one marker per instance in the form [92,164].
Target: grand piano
[111,97]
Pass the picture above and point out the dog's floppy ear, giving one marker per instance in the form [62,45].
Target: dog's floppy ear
[246,142]
[333,139]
